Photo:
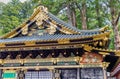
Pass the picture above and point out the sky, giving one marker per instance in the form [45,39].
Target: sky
[6,1]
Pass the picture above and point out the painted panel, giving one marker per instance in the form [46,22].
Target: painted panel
[91,73]
[91,58]
[9,74]
[68,74]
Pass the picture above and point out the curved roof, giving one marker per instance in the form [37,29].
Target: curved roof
[41,15]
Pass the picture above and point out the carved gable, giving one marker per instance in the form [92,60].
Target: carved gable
[42,22]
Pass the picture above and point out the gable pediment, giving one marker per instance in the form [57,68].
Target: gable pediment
[42,22]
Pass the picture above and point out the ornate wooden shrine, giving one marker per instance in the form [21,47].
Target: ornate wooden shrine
[45,47]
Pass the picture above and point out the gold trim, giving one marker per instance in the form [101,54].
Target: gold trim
[1,61]
[38,47]
[104,53]
[11,70]
[87,65]
[101,36]
[58,46]
[53,67]
[104,28]
[29,43]
[87,48]
[76,59]
[117,52]
[64,41]
[39,60]
[105,64]
[95,38]
[2,45]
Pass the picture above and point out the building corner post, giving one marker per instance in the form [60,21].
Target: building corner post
[21,74]
[105,65]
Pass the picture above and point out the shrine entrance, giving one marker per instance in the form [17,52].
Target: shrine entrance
[38,75]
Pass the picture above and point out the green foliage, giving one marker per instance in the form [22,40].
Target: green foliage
[111,45]
[1,32]
[10,15]
[14,13]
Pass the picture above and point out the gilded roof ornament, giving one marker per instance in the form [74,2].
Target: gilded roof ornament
[41,8]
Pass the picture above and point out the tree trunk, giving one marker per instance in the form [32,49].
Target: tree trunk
[83,16]
[71,15]
[116,31]
[117,37]
[115,18]
[98,13]
[74,23]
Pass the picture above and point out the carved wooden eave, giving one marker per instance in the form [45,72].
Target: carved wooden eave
[51,39]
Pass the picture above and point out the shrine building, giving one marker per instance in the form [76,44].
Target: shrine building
[45,47]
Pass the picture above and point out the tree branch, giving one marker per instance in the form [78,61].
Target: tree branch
[116,22]
[78,7]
